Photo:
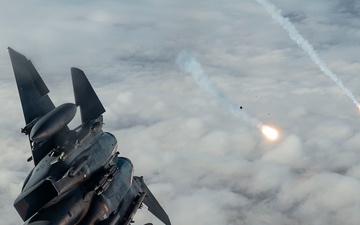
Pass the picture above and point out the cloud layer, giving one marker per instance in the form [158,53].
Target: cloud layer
[203,164]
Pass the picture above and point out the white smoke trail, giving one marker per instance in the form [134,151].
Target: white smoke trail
[189,65]
[305,45]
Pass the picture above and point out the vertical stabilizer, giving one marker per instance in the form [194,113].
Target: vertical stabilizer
[85,96]
[32,89]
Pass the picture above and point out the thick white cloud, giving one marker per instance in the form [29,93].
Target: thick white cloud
[204,165]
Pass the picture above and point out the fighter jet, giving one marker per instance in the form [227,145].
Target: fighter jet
[79,177]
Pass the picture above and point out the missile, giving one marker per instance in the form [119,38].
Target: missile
[53,122]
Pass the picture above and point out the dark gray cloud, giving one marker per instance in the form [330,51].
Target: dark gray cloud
[351,7]
[204,165]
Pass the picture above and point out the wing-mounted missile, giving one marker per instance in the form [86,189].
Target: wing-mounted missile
[52,122]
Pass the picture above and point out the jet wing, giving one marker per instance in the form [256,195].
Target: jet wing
[153,205]
[32,89]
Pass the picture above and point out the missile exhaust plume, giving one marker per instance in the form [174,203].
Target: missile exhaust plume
[306,46]
[270,132]
[189,64]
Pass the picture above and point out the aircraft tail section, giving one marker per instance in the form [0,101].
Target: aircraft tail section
[32,89]
[34,98]
[85,96]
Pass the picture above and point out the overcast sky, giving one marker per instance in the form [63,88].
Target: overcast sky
[204,165]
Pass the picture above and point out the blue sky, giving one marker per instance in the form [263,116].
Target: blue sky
[203,164]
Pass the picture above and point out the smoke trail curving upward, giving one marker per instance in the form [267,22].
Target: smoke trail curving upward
[305,45]
[189,65]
